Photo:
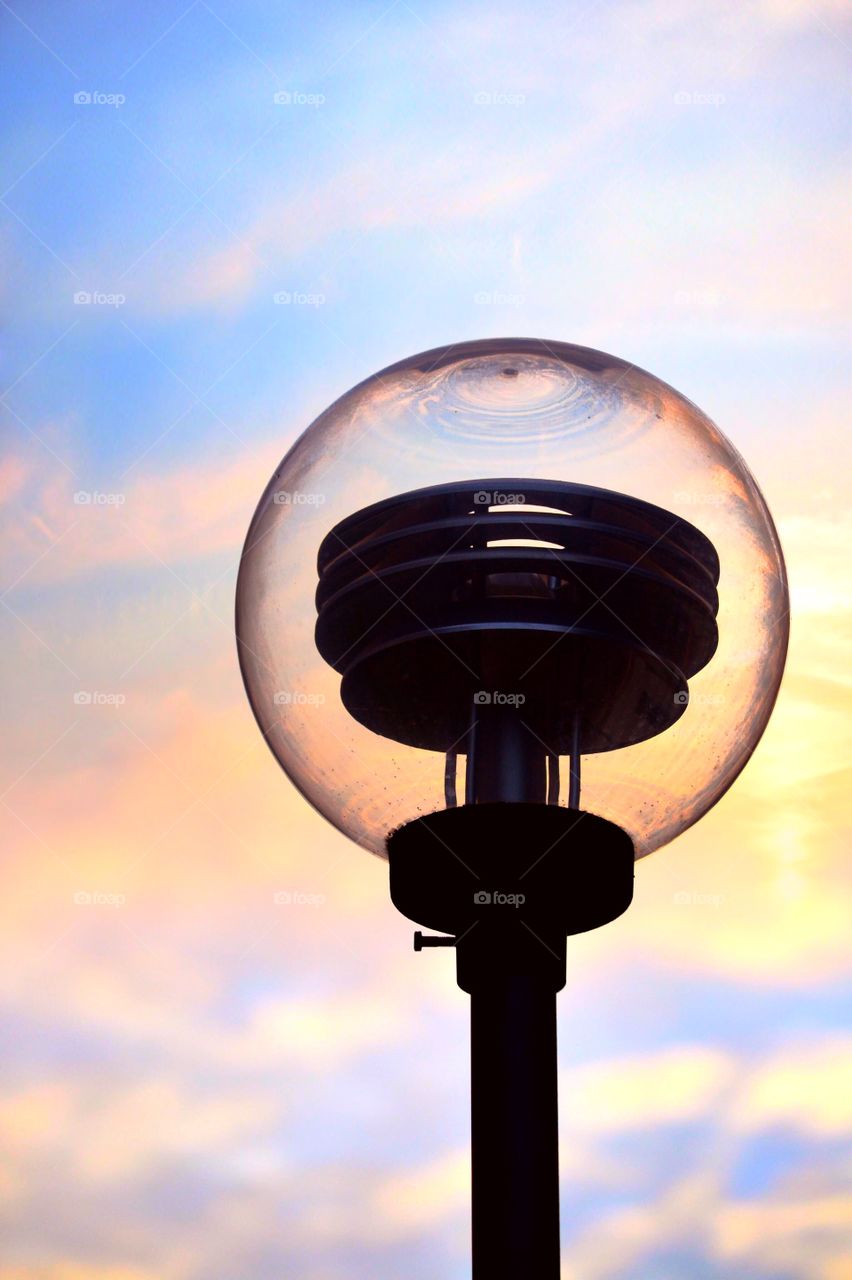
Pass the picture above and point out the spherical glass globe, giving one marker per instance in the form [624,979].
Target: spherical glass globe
[540,411]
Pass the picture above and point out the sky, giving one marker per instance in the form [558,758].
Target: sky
[223,1059]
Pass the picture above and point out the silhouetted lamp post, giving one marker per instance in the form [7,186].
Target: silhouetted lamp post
[512,614]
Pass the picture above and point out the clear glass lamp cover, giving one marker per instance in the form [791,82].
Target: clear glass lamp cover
[506,408]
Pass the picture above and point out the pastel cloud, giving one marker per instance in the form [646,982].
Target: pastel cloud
[804,1088]
[73,1271]
[808,1233]
[155,516]
[412,1200]
[644,1091]
[158,1119]
[362,197]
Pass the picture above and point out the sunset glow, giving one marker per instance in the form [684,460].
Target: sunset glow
[223,1059]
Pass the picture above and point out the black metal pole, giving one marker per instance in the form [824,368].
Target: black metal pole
[509,883]
[514,1131]
[514,1111]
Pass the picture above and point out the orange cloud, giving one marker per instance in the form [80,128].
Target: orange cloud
[59,529]
[75,1271]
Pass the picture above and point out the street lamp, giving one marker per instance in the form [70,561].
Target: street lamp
[512,614]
